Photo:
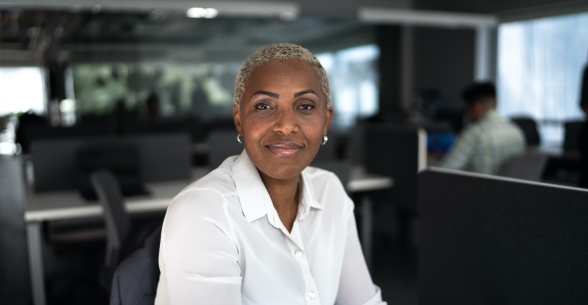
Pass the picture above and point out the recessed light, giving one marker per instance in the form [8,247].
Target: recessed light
[200,12]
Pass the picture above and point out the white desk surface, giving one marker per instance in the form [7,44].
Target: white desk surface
[62,205]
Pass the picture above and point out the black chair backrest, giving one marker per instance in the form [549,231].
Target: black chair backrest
[529,128]
[135,280]
[528,166]
[116,219]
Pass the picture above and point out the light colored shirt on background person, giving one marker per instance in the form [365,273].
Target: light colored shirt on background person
[223,243]
[485,145]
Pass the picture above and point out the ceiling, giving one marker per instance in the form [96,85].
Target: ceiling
[87,35]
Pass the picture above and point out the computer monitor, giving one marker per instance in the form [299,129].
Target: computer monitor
[493,240]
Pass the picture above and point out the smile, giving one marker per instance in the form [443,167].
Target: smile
[284,149]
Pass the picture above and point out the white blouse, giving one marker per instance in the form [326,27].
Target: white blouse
[223,243]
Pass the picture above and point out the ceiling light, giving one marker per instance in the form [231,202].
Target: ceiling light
[200,12]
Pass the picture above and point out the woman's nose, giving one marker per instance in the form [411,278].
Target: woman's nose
[286,122]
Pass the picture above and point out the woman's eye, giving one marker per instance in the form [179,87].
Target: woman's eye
[306,107]
[262,106]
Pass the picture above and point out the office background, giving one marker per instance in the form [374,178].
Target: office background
[74,71]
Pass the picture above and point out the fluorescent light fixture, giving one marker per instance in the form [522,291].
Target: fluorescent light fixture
[200,12]
[425,18]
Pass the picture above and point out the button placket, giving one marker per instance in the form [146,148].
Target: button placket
[299,253]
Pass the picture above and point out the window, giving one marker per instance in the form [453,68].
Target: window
[21,89]
[353,78]
[540,65]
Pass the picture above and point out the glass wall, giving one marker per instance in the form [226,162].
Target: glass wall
[206,89]
[353,77]
[540,64]
[203,89]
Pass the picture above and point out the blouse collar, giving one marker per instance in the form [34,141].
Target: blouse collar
[254,198]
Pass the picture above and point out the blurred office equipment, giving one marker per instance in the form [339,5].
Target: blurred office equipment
[161,157]
[33,128]
[398,152]
[14,284]
[571,135]
[356,144]
[528,166]
[342,169]
[117,221]
[153,126]
[122,160]
[135,280]
[223,144]
[490,240]
[529,128]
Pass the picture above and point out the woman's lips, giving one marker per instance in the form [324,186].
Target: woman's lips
[284,149]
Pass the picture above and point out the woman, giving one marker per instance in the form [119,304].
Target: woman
[263,228]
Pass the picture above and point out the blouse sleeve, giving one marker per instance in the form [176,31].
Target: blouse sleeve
[199,256]
[356,286]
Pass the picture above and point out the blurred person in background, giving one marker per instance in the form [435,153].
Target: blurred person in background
[583,135]
[490,140]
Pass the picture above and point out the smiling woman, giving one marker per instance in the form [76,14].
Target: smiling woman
[264,227]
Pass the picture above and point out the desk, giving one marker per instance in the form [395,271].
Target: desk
[66,205]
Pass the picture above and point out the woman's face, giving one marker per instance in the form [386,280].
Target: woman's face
[283,117]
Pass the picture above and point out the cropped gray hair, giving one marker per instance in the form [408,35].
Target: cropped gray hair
[279,51]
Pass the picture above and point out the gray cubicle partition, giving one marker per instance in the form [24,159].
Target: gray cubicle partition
[14,266]
[398,152]
[493,240]
[162,157]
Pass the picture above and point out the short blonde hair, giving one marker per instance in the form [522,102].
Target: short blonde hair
[279,51]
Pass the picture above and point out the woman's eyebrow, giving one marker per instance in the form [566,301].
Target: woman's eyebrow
[301,93]
[270,94]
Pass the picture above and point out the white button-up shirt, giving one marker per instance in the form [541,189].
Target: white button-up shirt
[224,243]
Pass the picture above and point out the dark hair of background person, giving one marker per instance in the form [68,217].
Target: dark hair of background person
[478,91]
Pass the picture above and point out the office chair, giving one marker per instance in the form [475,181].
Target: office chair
[528,166]
[117,221]
[529,128]
[135,280]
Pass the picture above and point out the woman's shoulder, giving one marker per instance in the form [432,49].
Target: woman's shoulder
[215,191]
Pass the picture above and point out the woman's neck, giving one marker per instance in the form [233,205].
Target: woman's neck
[285,196]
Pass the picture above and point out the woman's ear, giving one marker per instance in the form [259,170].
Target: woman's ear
[237,119]
[328,120]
